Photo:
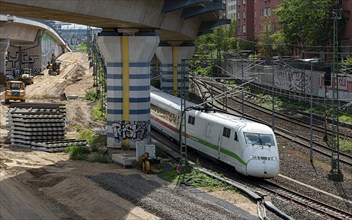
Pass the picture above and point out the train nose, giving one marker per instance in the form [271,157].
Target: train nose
[263,168]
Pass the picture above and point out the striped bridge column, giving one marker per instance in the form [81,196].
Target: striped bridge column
[171,56]
[127,59]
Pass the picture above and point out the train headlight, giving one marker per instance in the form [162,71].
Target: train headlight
[273,158]
[252,157]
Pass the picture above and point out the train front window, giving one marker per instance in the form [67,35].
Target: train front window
[259,139]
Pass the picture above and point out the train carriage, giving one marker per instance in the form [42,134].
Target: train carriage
[248,146]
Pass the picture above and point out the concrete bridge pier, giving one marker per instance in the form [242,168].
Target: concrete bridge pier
[4,45]
[171,56]
[127,58]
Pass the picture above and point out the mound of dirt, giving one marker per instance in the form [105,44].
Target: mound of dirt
[74,69]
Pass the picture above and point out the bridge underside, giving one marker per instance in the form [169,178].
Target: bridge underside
[133,32]
[181,21]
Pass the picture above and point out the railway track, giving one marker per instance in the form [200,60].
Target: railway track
[217,89]
[266,187]
[319,207]
[296,138]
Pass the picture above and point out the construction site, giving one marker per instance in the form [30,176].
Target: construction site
[43,181]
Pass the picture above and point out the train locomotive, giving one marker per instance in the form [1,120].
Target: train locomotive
[248,146]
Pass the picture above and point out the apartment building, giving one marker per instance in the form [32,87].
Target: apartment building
[231,9]
[346,34]
[255,18]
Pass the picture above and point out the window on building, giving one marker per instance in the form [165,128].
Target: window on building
[269,11]
[238,15]
[244,28]
[244,14]
[265,12]
[244,2]
[226,132]
[191,120]
[255,14]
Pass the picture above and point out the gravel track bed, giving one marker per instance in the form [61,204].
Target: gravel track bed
[161,200]
[294,210]
[296,167]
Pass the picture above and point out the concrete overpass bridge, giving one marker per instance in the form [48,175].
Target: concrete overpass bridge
[133,32]
[27,43]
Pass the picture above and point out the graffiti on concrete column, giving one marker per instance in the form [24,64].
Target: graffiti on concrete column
[137,130]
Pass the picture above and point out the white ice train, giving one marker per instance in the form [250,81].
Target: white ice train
[248,146]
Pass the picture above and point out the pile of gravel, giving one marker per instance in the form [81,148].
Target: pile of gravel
[161,200]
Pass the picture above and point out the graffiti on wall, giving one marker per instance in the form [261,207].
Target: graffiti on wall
[137,130]
[27,60]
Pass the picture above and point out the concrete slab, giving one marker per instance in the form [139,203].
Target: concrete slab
[124,159]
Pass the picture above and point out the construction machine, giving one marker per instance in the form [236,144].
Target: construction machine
[15,90]
[54,68]
[26,76]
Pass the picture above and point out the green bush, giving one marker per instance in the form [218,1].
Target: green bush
[91,95]
[345,118]
[346,145]
[92,139]
[77,152]
[87,135]
[98,113]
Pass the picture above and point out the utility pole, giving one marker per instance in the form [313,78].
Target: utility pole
[335,172]
[242,80]
[183,134]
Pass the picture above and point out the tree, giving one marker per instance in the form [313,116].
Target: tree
[213,46]
[306,23]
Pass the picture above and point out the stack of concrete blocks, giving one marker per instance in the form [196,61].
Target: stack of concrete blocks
[38,126]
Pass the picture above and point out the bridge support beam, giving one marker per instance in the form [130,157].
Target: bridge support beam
[4,45]
[171,56]
[127,59]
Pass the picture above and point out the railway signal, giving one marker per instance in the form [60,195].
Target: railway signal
[335,172]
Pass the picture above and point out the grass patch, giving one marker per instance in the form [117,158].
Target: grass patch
[77,152]
[345,145]
[345,118]
[283,103]
[197,179]
[87,135]
[77,128]
[98,112]
[92,139]
[266,102]
[91,95]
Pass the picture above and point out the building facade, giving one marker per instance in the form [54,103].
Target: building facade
[255,18]
[231,8]
[346,35]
